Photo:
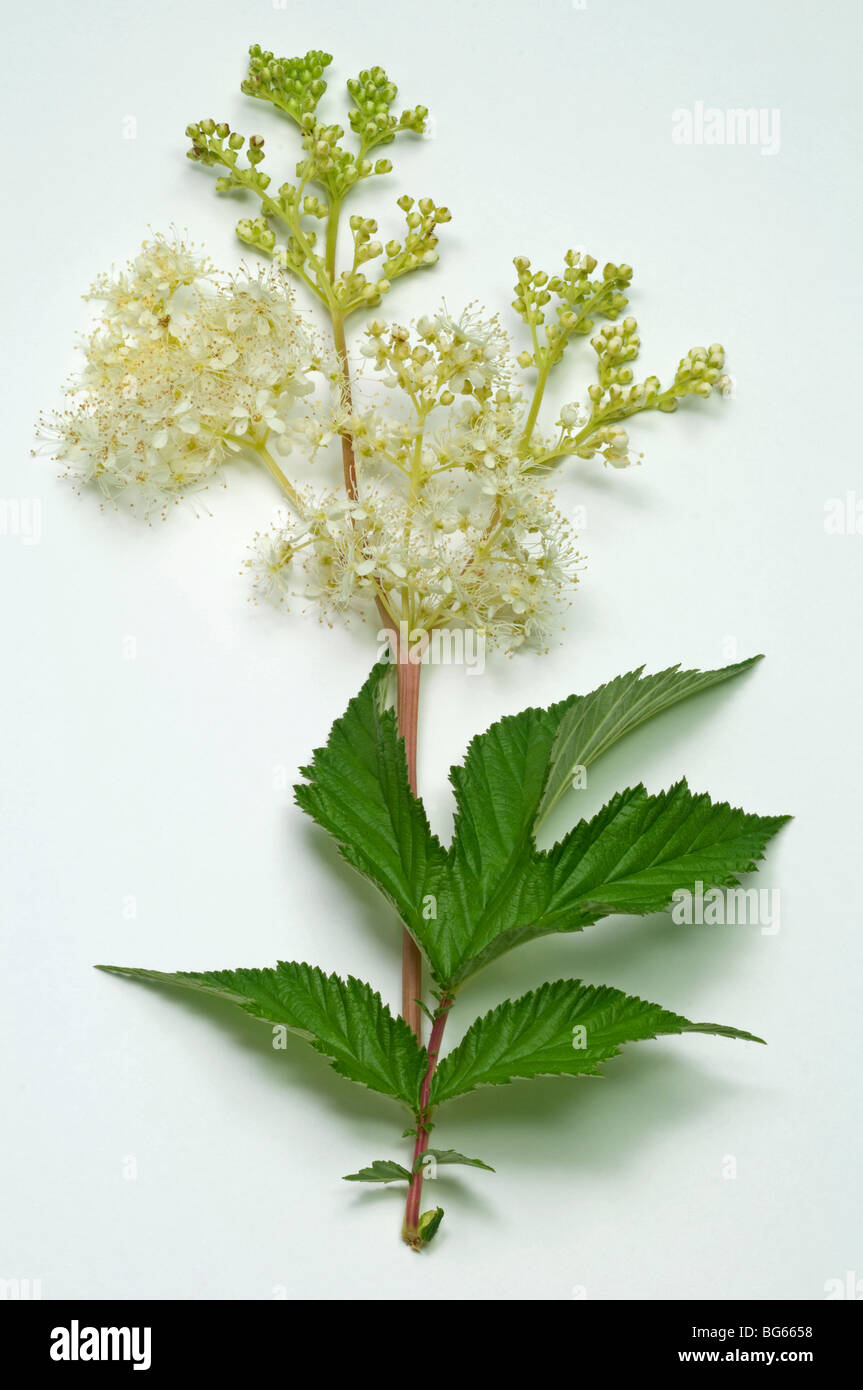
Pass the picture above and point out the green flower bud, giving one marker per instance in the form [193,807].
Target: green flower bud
[429,1224]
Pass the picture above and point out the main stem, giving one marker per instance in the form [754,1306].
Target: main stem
[407,703]
[407,706]
[410,1230]
[348,461]
[407,709]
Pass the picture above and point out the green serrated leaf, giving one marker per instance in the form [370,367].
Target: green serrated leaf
[498,789]
[343,1019]
[358,790]
[381,1170]
[632,857]
[563,1029]
[445,1156]
[590,724]
[494,889]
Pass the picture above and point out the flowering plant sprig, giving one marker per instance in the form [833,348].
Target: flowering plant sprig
[443,518]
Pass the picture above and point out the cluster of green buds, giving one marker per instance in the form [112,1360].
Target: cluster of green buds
[293,85]
[616,398]
[285,227]
[371,119]
[418,247]
[328,163]
[699,372]
[578,301]
[615,346]
[560,307]
[214,143]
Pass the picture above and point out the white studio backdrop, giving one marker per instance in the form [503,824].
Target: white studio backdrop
[153,720]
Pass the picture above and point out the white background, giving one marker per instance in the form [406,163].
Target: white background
[161,778]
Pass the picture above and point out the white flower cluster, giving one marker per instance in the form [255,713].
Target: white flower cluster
[183,369]
[447,523]
[449,527]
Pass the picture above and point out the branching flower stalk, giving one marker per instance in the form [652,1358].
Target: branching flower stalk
[294,87]
[442,520]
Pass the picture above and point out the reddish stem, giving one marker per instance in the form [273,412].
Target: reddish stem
[410,1230]
[408,702]
[408,714]
[408,672]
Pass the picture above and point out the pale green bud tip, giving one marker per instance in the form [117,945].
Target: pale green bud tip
[429,1224]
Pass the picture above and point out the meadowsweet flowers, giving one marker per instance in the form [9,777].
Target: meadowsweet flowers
[183,369]
[438,512]
[449,527]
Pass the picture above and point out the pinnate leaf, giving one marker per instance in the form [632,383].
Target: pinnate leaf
[343,1019]
[493,888]
[629,858]
[562,1029]
[381,1170]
